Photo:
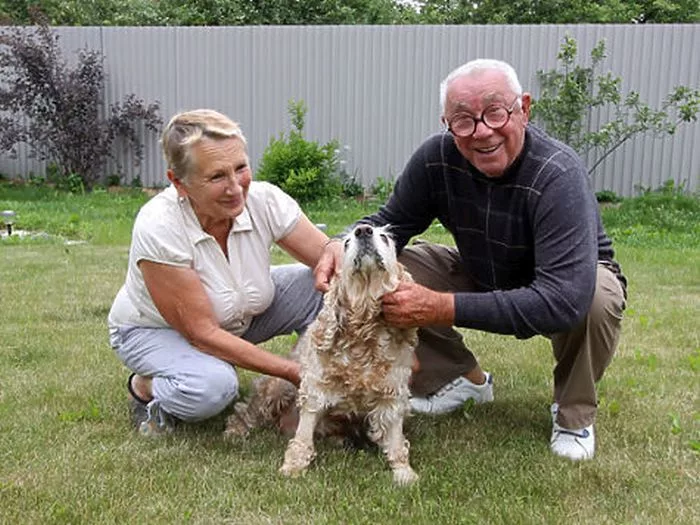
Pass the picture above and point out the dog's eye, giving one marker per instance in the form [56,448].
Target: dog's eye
[384,238]
[346,243]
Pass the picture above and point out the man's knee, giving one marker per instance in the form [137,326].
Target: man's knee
[608,300]
[605,320]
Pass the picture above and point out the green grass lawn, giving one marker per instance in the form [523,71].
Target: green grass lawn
[68,454]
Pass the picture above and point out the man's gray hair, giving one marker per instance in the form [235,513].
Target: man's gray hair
[478,65]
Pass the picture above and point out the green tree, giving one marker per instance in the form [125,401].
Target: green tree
[272,12]
[571,93]
[558,11]
[666,12]
[209,12]
[201,13]
[82,13]
[312,12]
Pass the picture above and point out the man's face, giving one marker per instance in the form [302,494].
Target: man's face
[491,151]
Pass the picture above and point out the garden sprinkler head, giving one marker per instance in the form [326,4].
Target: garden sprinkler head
[8,217]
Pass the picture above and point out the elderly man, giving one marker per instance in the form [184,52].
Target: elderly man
[531,256]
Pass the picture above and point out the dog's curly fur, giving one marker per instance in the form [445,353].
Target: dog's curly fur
[355,367]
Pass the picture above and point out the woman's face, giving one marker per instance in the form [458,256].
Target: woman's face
[218,183]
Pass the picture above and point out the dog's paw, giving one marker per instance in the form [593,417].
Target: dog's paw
[292,471]
[297,459]
[404,476]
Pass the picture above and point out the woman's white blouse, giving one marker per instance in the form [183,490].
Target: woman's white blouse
[167,231]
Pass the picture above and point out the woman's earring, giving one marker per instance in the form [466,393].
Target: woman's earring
[181,200]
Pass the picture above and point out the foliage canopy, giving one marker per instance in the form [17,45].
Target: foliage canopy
[312,12]
[559,11]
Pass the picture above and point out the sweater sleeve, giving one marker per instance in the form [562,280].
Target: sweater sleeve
[565,252]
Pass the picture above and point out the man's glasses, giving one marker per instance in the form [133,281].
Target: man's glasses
[494,117]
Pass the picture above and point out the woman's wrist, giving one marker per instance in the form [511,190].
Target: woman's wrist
[294,373]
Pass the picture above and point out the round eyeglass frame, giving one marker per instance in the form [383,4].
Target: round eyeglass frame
[482,118]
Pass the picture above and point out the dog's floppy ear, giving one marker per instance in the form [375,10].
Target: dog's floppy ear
[330,318]
[337,299]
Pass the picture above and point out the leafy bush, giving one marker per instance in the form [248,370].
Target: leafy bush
[304,169]
[114,180]
[382,188]
[608,196]
[58,109]
[350,186]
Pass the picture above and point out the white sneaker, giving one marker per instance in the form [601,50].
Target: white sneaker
[575,445]
[453,395]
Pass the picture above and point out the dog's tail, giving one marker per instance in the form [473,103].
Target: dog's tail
[271,399]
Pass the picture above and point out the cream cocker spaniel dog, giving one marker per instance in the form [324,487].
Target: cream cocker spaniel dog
[352,363]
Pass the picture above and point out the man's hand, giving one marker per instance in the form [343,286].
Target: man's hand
[328,265]
[412,305]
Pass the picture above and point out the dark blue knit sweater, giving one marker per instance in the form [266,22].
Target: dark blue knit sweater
[530,240]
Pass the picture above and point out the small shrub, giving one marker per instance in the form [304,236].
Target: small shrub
[350,185]
[382,188]
[36,180]
[72,183]
[53,173]
[608,196]
[304,169]
[302,184]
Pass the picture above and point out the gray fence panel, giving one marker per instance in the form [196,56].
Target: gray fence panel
[375,88]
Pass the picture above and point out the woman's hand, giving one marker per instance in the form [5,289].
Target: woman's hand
[309,245]
[329,264]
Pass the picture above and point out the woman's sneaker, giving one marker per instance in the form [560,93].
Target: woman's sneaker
[575,445]
[150,419]
[147,417]
[453,395]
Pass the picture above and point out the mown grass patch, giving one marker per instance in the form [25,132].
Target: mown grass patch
[68,454]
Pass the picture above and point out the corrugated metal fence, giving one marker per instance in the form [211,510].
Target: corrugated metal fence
[375,88]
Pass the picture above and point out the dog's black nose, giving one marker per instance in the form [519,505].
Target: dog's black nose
[364,230]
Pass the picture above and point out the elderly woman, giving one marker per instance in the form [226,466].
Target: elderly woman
[199,291]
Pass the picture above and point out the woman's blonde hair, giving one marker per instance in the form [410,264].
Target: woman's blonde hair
[186,129]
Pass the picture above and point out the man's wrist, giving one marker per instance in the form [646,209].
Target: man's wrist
[446,309]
